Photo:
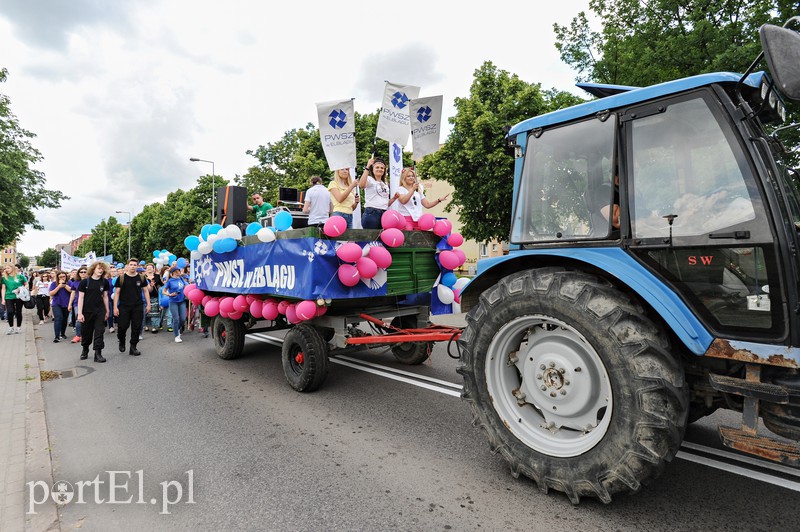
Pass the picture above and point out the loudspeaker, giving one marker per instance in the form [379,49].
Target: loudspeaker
[231,205]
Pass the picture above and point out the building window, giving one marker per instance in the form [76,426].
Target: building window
[483,251]
[494,248]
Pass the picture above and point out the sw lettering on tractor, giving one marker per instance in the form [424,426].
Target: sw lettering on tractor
[652,278]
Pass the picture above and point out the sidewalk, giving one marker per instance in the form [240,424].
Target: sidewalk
[24,446]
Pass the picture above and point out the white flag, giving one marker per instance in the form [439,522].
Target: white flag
[337,129]
[426,123]
[395,168]
[394,122]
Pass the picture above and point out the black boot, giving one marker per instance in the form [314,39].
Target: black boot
[135,352]
[98,356]
[122,346]
[85,352]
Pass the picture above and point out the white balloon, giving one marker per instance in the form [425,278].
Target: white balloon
[196,255]
[163,255]
[265,235]
[204,247]
[461,283]
[234,232]
[446,295]
[213,238]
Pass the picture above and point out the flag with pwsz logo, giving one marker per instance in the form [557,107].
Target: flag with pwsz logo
[337,130]
[394,122]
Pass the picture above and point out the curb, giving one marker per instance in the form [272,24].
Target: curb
[38,463]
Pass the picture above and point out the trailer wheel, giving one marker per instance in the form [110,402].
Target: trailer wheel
[305,358]
[228,337]
[574,386]
[411,353]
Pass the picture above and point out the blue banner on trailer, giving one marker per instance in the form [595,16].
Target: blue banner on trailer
[303,268]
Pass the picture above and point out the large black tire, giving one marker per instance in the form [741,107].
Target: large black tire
[228,337]
[411,353]
[305,358]
[548,339]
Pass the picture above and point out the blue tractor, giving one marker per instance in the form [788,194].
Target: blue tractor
[652,278]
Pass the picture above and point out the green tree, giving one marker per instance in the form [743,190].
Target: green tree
[49,258]
[475,159]
[642,43]
[103,236]
[22,187]
[24,261]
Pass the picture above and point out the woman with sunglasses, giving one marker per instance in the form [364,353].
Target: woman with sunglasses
[41,290]
[59,304]
[376,193]
[344,195]
[411,198]
[73,301]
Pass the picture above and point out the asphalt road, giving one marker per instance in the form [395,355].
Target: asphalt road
[369,451]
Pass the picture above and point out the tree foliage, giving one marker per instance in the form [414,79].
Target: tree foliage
[22,187]
[49,258]
[475,160]
[24,261]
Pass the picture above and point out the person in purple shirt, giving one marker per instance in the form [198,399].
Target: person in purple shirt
[59,303]
[73,301]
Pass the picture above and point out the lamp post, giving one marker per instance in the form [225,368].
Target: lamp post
[105,230]
[129,230]
[213,182]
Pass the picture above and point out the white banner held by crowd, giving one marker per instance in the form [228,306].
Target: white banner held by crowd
[394,122]
[337,130]
[426,123]
[395,168]
[68,262]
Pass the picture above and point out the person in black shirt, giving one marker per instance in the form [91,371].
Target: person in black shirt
[93,309]
[129,296]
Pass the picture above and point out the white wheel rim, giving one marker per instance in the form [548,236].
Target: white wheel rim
[549,386]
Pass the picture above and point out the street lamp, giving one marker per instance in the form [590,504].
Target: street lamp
[105,230]
[129,230]
[213,183]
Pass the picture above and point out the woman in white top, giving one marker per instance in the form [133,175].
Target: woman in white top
[411,198]
[376,193]
[42,292]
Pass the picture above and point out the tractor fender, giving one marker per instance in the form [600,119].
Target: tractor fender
[618,264]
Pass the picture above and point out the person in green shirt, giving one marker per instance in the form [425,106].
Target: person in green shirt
[261,207]
[11,281]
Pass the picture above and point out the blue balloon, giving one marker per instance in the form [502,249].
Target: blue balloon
[252,228]
[162,299]
[155,254]
[172,258]
[191,242]
[142,263]
[219,245]
[283,221]
[165,251]
[231,244]
[214,229]
[449,279]
[204,231]
[181,263]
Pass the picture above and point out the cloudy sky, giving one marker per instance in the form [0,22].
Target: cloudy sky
[120,93]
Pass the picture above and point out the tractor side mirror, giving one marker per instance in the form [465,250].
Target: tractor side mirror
[782,51]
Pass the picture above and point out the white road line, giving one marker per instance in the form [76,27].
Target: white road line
[450,388]
[742,458]
[749,473]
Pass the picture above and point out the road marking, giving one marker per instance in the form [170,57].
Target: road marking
[452,389]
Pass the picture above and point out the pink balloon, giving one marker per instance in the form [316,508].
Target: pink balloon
[306,310]
[188,288]
[250,298]
[291,314]
[462,257]
[223,313]
[380,256]
[269,310]
[322,310]
[455,239]
[349,252]
[456,295]
[442,227]
[235,315]
[392,218]
[282,306]
[240,303]
[226,305]
[255,309]
[426,221]
[196,296]
[211,308]
[335,226]
[393,237]
[348,275]
[205,300]
[448,260]
[366,267]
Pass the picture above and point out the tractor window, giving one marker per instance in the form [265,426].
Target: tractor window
[566,188]
[683,164]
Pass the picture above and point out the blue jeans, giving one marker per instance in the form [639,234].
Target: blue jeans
[178,312]
[59,320]
[372,218]
[348,218]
